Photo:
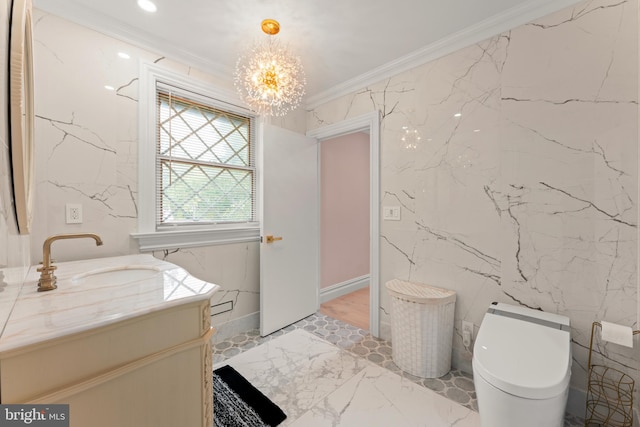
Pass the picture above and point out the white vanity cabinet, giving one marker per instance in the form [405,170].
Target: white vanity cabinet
[136,354]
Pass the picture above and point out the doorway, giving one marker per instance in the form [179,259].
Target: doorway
[344,228]
[369,126]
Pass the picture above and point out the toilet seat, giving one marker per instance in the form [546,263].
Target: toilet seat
[522,353]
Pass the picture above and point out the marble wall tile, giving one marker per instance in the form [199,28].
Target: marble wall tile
[87,153]
[235,267]
[86,135]
[529,197]
[571,130]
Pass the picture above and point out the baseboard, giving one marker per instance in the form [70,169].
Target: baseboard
[385,331]
[343,288]
[237,326]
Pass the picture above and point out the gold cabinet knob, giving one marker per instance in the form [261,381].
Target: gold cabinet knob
[271,239]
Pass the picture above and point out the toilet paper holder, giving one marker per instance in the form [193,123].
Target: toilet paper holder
[609,393]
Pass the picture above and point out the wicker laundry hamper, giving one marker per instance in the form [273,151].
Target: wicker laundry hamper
[421,327]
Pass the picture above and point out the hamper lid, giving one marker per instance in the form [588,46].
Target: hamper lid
[419,292]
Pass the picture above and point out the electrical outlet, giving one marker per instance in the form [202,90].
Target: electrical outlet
[467,327]
[74,213]
[467,335]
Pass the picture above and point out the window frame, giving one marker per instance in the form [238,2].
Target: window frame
[148,236]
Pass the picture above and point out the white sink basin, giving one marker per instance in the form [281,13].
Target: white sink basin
[117,275]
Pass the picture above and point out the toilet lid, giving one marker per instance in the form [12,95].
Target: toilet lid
[523,358]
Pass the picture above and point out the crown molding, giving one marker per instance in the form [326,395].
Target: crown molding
[507,20]
[504,21]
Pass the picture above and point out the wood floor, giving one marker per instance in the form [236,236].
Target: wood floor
[352,308]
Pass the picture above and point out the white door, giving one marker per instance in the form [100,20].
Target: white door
[289,211]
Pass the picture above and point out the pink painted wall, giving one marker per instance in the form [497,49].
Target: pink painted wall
[344,212]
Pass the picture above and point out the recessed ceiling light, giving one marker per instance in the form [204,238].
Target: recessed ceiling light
[107,87]
[147,5]
[124,55]
[457,115]
[476,130]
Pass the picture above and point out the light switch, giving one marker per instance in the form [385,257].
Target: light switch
[391,213]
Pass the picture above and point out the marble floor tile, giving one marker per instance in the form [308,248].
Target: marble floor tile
[455,388]
[297,370]
[317,384]
[376,397]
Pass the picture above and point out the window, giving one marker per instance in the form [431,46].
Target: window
[197,173]
[205,163]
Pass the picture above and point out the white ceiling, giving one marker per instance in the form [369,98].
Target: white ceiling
[343,44]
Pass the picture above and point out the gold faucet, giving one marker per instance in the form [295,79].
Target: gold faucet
[47,280]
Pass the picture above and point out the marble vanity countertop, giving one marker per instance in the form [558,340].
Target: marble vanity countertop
[94,293]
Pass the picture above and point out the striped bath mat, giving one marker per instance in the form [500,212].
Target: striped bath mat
[237,403]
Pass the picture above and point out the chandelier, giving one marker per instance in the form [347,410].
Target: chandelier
[268,77]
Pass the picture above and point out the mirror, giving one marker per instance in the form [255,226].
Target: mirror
[21,115]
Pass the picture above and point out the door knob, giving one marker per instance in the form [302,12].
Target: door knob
[271,239]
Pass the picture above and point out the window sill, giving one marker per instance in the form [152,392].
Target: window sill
[161,240]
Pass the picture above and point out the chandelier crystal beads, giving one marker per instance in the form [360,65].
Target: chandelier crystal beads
[269,77]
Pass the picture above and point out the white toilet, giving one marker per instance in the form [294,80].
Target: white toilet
[522,367]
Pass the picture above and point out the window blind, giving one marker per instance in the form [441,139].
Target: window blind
[205,161]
